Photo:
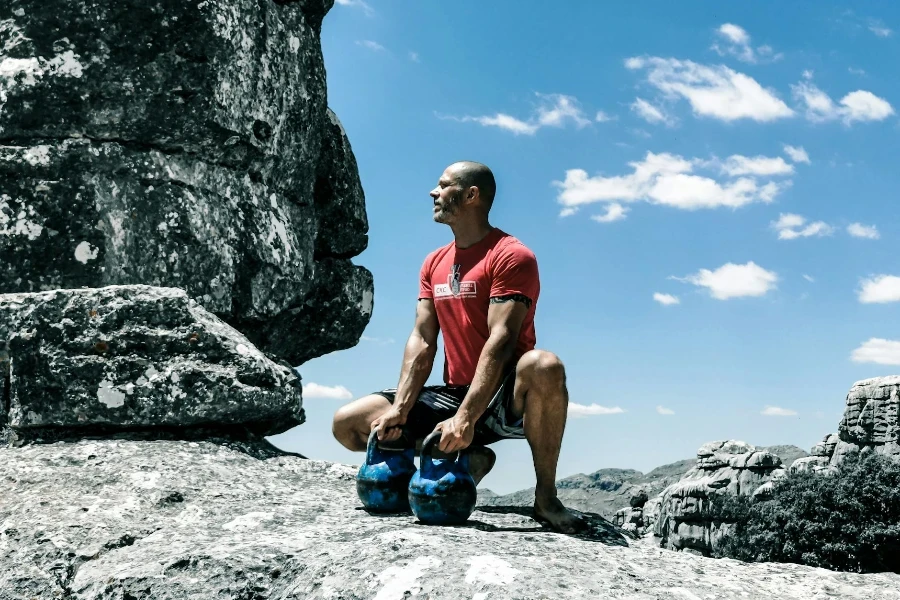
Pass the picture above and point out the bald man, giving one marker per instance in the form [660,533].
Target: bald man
[481,291]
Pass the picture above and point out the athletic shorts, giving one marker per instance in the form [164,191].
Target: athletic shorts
[438,403]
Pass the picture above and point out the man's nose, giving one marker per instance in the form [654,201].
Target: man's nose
[434,193]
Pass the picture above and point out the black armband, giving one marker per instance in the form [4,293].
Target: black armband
[513,298]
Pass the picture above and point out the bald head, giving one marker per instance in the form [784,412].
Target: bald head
[474,174]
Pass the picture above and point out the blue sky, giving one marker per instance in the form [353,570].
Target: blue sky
[712,196]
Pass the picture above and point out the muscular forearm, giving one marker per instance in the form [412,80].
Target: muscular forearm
[418,360]
[492,363]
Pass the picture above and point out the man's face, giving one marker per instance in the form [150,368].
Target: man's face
[447,197]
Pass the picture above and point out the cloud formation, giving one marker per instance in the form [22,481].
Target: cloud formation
[777,411]
[650,113]
[790,227]
[796,154]
[858,106]
[358,4]
[880,289]
[338,392]
[554,110]
[713,91]
[582,410]
[666,299]
[614,212]
[879,351]
[373,46]
[669,180]
[733,281]
[735,41]
[863,231]
[664,411]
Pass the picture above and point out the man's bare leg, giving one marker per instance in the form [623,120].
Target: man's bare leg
[541,395]
[353,423]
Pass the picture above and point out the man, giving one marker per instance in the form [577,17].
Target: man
[481,290]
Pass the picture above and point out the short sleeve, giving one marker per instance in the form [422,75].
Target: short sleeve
[515,271]
[425,287]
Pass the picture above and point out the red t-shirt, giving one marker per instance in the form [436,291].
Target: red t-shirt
[461,281]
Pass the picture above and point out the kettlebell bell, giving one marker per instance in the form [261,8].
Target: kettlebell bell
[382,482]
[442,492]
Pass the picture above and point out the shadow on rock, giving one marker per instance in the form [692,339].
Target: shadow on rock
[598,529]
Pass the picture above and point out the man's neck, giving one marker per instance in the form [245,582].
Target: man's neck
[469,234]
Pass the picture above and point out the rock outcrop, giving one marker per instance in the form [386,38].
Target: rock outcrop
[183,144]
[114,519]
[686,519]
[871,418]
[135,357]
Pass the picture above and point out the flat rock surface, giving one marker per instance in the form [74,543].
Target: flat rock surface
[175,519]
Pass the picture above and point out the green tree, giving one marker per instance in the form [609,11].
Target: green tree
[847,520]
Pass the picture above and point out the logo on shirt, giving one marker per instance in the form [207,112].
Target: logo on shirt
[454,287]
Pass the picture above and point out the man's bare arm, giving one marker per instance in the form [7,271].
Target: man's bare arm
[505,320]
[418,360]
[418,356]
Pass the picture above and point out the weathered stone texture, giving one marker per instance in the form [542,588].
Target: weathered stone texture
[130,357]
[170,520]
[685,518]
[181,144]
[871,418]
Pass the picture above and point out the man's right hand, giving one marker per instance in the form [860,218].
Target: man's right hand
[389,425]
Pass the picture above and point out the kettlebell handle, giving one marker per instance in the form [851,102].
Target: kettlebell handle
[372,447]
[428,445]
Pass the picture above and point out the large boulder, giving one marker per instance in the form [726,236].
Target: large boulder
[685,517]
[871,419]
[134,357]
[182,144]
[167,520]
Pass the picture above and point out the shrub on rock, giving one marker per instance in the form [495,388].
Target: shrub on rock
[848,520]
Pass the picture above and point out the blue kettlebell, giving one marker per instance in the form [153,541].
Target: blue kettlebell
[442,492]
[383,481]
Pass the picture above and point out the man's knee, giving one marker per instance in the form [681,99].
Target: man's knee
[351,422]
[542,368]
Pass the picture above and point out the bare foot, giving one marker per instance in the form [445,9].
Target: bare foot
[481,461]
[550,511]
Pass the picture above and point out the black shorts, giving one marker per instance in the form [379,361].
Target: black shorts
[438,403]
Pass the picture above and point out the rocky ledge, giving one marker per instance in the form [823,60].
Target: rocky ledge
[116,519]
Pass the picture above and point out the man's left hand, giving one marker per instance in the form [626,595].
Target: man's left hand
[456,434]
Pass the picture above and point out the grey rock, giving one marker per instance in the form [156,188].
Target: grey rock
[686,518]
[131,357]
[181,144]
[871,418]
[174,519]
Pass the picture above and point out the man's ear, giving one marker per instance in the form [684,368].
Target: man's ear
[472,193]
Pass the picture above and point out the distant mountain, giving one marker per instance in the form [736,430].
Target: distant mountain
[607,490]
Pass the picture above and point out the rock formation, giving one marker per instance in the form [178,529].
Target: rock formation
[686,520]
[134,357]
[183,144]
[166,520]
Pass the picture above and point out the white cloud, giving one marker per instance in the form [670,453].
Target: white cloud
[650,113]
[879,29]
[357,3]
[880,289]
[808,278]
[738,45]
[568,211]
[603,117]
[664,411]
[669,180]
[733,281]
[554,110]
[776,411]
[414,56]
[376,340]
[666,299]
[758,165]
[863,231]
[879,351]
[713,91]
[796,154]
[614,212]
[855,106]
[374,46]
[855,71]
[790,227]
[314,390]
[583,410]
